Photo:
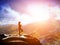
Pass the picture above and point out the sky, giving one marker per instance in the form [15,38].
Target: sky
[30,12]
[12,11]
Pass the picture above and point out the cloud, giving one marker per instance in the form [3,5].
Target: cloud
[8,15]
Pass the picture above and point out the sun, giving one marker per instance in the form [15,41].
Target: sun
[38,12]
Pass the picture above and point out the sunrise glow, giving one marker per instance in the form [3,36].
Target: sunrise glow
[38,12]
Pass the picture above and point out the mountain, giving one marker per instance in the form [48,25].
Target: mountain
[8,29]
[35,29]
[46,32]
